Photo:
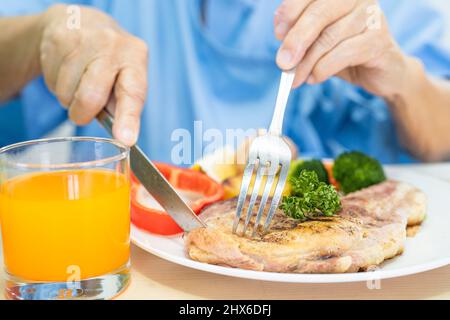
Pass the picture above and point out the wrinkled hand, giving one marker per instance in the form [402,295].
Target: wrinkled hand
[345,38]
[83,67]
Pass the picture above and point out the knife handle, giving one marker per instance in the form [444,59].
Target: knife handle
[106,120]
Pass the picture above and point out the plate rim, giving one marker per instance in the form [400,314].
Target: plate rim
[378,274]
[294,277]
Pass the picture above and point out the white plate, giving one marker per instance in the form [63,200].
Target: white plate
[429,249]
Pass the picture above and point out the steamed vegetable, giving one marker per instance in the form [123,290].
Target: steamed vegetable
[311,165]
[310,197]
[354,171]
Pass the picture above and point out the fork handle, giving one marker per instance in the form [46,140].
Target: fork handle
[287,79]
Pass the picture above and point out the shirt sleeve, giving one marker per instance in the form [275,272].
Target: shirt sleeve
[23,7]
[420,30]
[27,7]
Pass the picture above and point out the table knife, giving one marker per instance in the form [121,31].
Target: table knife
[155,183]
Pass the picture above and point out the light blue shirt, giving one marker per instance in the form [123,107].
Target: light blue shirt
[224,74]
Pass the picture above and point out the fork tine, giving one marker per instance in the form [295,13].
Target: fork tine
[277,194]
[254,196]
[248,172]
[262,205]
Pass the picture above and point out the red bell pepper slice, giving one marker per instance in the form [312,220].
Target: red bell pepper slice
[158,221]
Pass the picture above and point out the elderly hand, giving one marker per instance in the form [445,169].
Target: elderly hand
[84,66]
[345,38]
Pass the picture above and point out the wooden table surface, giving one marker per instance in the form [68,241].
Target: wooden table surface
[155,278]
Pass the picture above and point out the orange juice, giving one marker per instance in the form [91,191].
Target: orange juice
[66,224]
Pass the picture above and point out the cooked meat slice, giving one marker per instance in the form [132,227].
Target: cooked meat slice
[411,231]
[415,204]
[370,228]
[407,198]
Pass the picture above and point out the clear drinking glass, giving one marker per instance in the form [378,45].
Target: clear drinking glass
[65,218]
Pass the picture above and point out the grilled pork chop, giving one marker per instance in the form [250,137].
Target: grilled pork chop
[370,228]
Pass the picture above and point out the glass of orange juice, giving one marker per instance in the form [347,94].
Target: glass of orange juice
[65,218]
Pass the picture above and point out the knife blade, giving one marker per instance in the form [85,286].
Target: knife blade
[155,183]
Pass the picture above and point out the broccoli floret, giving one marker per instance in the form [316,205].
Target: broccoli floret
[354,171]
[311,165]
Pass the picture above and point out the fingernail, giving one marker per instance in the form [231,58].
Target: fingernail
[127,136]
[281,29]
[285,58]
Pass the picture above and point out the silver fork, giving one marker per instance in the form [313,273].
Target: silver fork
[270,155]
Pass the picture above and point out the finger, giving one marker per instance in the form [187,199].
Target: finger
[345,28]
[350,53]
[317,16]
[287,14]
[130,93]
[345,74]
[58,45]
[93,92]
[68,79]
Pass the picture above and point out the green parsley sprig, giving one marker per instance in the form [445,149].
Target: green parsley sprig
[310,197]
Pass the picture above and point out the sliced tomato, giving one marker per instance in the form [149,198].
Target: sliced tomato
[158,221]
